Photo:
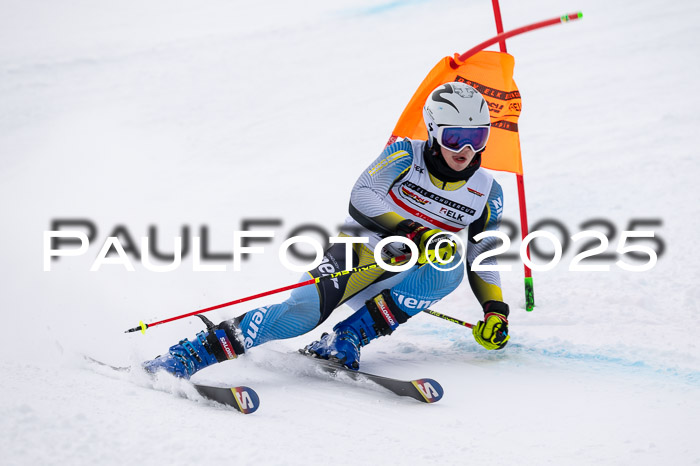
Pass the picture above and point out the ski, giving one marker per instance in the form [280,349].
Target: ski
[424,390]
[243,399]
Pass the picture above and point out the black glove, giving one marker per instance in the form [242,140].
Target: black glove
[426,240]
[492,332]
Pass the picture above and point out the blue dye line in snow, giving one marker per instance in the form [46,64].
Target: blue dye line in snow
[383,8]
[689,376]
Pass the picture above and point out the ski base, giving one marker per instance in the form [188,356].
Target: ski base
[243,399]
[424,390]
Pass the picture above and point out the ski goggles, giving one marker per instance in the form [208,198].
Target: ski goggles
[456,138]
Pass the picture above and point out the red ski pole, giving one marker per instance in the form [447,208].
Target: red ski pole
[311,281]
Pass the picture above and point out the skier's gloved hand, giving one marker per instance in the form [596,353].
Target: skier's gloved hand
[492,332]
[427,240]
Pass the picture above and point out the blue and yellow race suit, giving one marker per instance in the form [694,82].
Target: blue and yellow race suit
[395,187]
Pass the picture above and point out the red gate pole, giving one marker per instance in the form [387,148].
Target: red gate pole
[529,287]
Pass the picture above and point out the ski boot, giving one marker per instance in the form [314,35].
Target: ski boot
[378,317]
[219,343]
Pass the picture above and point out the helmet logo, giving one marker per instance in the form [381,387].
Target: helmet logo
[445,89]
[466,92]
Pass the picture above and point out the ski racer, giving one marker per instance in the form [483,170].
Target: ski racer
[421,190]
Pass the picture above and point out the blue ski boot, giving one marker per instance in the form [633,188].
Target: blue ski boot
[378,317]
[219,343]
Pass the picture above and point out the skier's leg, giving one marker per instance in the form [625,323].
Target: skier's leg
[309,306]
[295,316]
[231,338]
[305,309]
[422,287]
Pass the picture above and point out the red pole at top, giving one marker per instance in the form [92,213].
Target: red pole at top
[499,24]
[530,27]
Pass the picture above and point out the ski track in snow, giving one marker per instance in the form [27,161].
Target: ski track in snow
[186,114]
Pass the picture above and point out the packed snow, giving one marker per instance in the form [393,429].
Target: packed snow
[183,115]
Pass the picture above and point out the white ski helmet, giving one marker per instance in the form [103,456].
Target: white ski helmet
[457,115]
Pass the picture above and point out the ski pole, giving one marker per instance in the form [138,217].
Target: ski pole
[312,281]
[448,318]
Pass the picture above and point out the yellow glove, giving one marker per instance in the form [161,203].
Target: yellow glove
[433,245]
[492,332]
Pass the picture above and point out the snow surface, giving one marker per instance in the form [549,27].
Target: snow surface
[173,113]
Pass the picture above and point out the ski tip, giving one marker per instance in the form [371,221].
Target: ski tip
[246,398]
[430,390]
[103,364]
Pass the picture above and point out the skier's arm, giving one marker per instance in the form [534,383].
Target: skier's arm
[367,205]
[486,285]
[369,208]
[492,332]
